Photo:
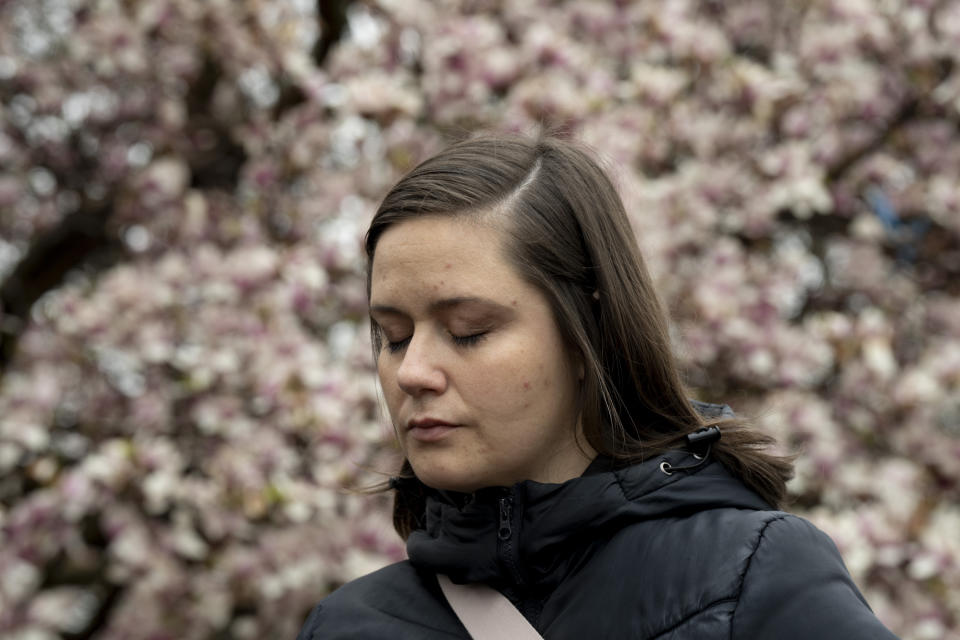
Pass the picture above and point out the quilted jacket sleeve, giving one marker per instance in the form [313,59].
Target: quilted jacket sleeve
[797,587]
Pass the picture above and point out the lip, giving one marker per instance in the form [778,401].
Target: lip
[429,429]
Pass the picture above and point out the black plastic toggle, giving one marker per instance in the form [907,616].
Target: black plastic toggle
[699,443]
[702,437]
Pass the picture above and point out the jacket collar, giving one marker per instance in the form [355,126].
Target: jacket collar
[549,526]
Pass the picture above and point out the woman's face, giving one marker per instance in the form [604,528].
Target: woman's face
[479,384]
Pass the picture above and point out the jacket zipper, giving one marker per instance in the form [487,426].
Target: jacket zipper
[507,545]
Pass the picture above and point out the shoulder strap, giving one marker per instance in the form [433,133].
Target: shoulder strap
[486,613]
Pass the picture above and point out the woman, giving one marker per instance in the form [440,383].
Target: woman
[551,452]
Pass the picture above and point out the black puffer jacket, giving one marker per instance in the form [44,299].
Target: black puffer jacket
[629,553]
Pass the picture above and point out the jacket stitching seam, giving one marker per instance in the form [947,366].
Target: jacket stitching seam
[707,606]
[746,569]
[623,492]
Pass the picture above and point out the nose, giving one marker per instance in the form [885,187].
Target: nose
[420,371]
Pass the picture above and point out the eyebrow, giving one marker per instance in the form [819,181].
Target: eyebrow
[439,305]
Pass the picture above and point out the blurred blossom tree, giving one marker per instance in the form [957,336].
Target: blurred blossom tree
[184,184]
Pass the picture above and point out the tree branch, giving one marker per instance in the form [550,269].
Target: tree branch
[80,238]
[908,109]
[333,23]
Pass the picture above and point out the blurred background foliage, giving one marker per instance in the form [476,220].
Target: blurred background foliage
[184,184]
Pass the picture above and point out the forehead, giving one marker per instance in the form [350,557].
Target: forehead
[440,230]
[446,251]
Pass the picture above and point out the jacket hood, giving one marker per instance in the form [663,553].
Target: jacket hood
[534,533]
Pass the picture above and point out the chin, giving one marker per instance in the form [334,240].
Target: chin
[451,481]
[449,484]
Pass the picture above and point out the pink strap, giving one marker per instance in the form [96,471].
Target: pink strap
[486,613]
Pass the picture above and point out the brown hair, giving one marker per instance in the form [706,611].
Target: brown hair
[568,234]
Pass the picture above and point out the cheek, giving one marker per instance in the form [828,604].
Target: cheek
[386,374]
[382,373]
[511,386]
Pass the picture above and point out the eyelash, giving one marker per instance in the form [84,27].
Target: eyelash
[467,341]
[460,341]
[394,347]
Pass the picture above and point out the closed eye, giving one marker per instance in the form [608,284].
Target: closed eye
[394,347]
[467,341]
